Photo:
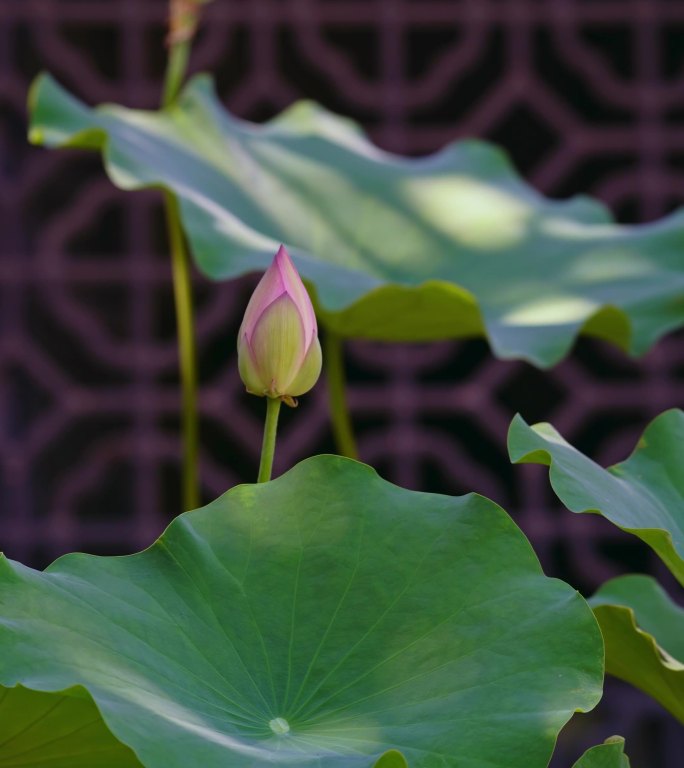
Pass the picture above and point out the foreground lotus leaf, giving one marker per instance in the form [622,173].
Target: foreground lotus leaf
[643,630]
[643,495]
[56,730]
[395,249]
[323,619]
[610,754]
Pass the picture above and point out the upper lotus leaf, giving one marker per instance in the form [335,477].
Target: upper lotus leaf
[327,619]
[643,495]
[393,248]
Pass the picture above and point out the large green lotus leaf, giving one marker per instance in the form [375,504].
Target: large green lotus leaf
[319,620]
[56,730]
[610,754]
[396,249]
[644,495]
[644,635]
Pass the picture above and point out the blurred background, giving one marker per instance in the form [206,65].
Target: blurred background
[586,95]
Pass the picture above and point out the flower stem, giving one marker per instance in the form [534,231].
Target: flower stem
[339,411]
[268,444]
[182,289]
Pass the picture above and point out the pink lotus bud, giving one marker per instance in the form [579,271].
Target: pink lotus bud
[279,354]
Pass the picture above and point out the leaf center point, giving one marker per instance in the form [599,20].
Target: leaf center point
[279,725]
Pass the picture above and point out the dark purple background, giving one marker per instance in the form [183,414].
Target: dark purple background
[588,96]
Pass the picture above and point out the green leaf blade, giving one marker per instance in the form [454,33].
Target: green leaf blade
[610,754]
[56,730]
[392,759]
[323,619]
[644,635]
[643,495]
[457,239]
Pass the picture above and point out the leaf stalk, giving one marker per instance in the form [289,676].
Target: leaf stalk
[343,432]
[183,22]
[187,353]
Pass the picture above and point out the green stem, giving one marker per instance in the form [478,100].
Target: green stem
[182,289]
[268,444]
[179,54]
[339,411]
[176,66]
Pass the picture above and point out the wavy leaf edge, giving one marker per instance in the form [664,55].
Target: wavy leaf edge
[605,321]
[519,428]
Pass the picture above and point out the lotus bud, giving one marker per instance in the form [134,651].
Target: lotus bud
[183,20]
[279,354]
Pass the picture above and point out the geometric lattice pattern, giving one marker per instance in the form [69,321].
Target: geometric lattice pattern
[587,95]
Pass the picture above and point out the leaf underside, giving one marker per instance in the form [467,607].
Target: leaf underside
[321,620]
[644,635]
[56,730]
[396,249]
